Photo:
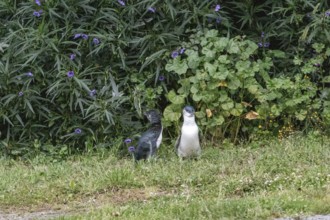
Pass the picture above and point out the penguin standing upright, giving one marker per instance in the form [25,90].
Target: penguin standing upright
[188,143]
[150,140]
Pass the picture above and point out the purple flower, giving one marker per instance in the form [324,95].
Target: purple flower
[161,78]
[76,36]
[217,7]
[20,94]
[121,2]
[260,44]
[327,14]
[92,93]
[30,74]
[182,50]
[77,131]
[262,34]
[266,44]
[37,13]
[174,54]
[38,2]
[72,56]
[96,41]
[152,9]
[127,141]
[70,74]
[317,64]
[84,36]
[131,149]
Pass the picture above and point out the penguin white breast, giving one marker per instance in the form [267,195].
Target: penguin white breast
[189,142]
[159,139]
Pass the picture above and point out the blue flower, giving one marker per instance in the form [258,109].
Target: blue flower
[38,2]
[77,36]
[30,74]
[127,141]
[131,149]
[152,9]
[217,7]
[92,93]
[122,2]
[262,34]
[182,50]
[70,74]
[72,56]
[84,36]
[20,94]
[37,13]
[161,78]
[266,44]
[96,41]
[327,14]
[77,131]
[174,54]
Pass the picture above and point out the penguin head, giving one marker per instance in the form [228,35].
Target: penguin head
[153,116]
[188,111]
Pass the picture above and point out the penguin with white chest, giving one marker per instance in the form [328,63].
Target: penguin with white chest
[188,143]
[150,140]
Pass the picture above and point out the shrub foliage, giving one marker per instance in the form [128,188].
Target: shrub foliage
[78,74]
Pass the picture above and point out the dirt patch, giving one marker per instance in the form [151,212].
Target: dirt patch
[115,196]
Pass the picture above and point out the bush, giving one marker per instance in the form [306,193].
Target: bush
[77,75]
[228,80]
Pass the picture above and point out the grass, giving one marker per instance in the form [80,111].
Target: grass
[261,180]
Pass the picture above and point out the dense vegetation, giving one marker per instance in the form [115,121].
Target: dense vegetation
[78,74]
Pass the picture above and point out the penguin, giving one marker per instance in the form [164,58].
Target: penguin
[150,140]
[188,143]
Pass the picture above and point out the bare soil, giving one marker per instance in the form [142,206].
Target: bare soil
[113,196]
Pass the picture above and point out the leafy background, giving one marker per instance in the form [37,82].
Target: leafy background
[77,75]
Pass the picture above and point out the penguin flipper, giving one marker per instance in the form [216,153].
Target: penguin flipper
[177,143]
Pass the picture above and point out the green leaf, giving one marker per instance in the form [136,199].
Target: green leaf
[301,115]
[223,59]
[228,105]
[170,114]
[237,111]
[175,99]
[221,44]
[221,73]
[219,120]
[211,33]
[210,68]
[223,96]
[196,97]
[194,89]
[242,65]
[253,89]
[326,79]
[318,47]
[193,59]
[234,83]
[233,47]
[297,61]
[277,53]
[177,65]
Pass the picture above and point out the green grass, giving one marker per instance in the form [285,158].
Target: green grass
[256,181]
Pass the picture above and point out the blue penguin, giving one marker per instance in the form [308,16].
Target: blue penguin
[188,143]
[150,140]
